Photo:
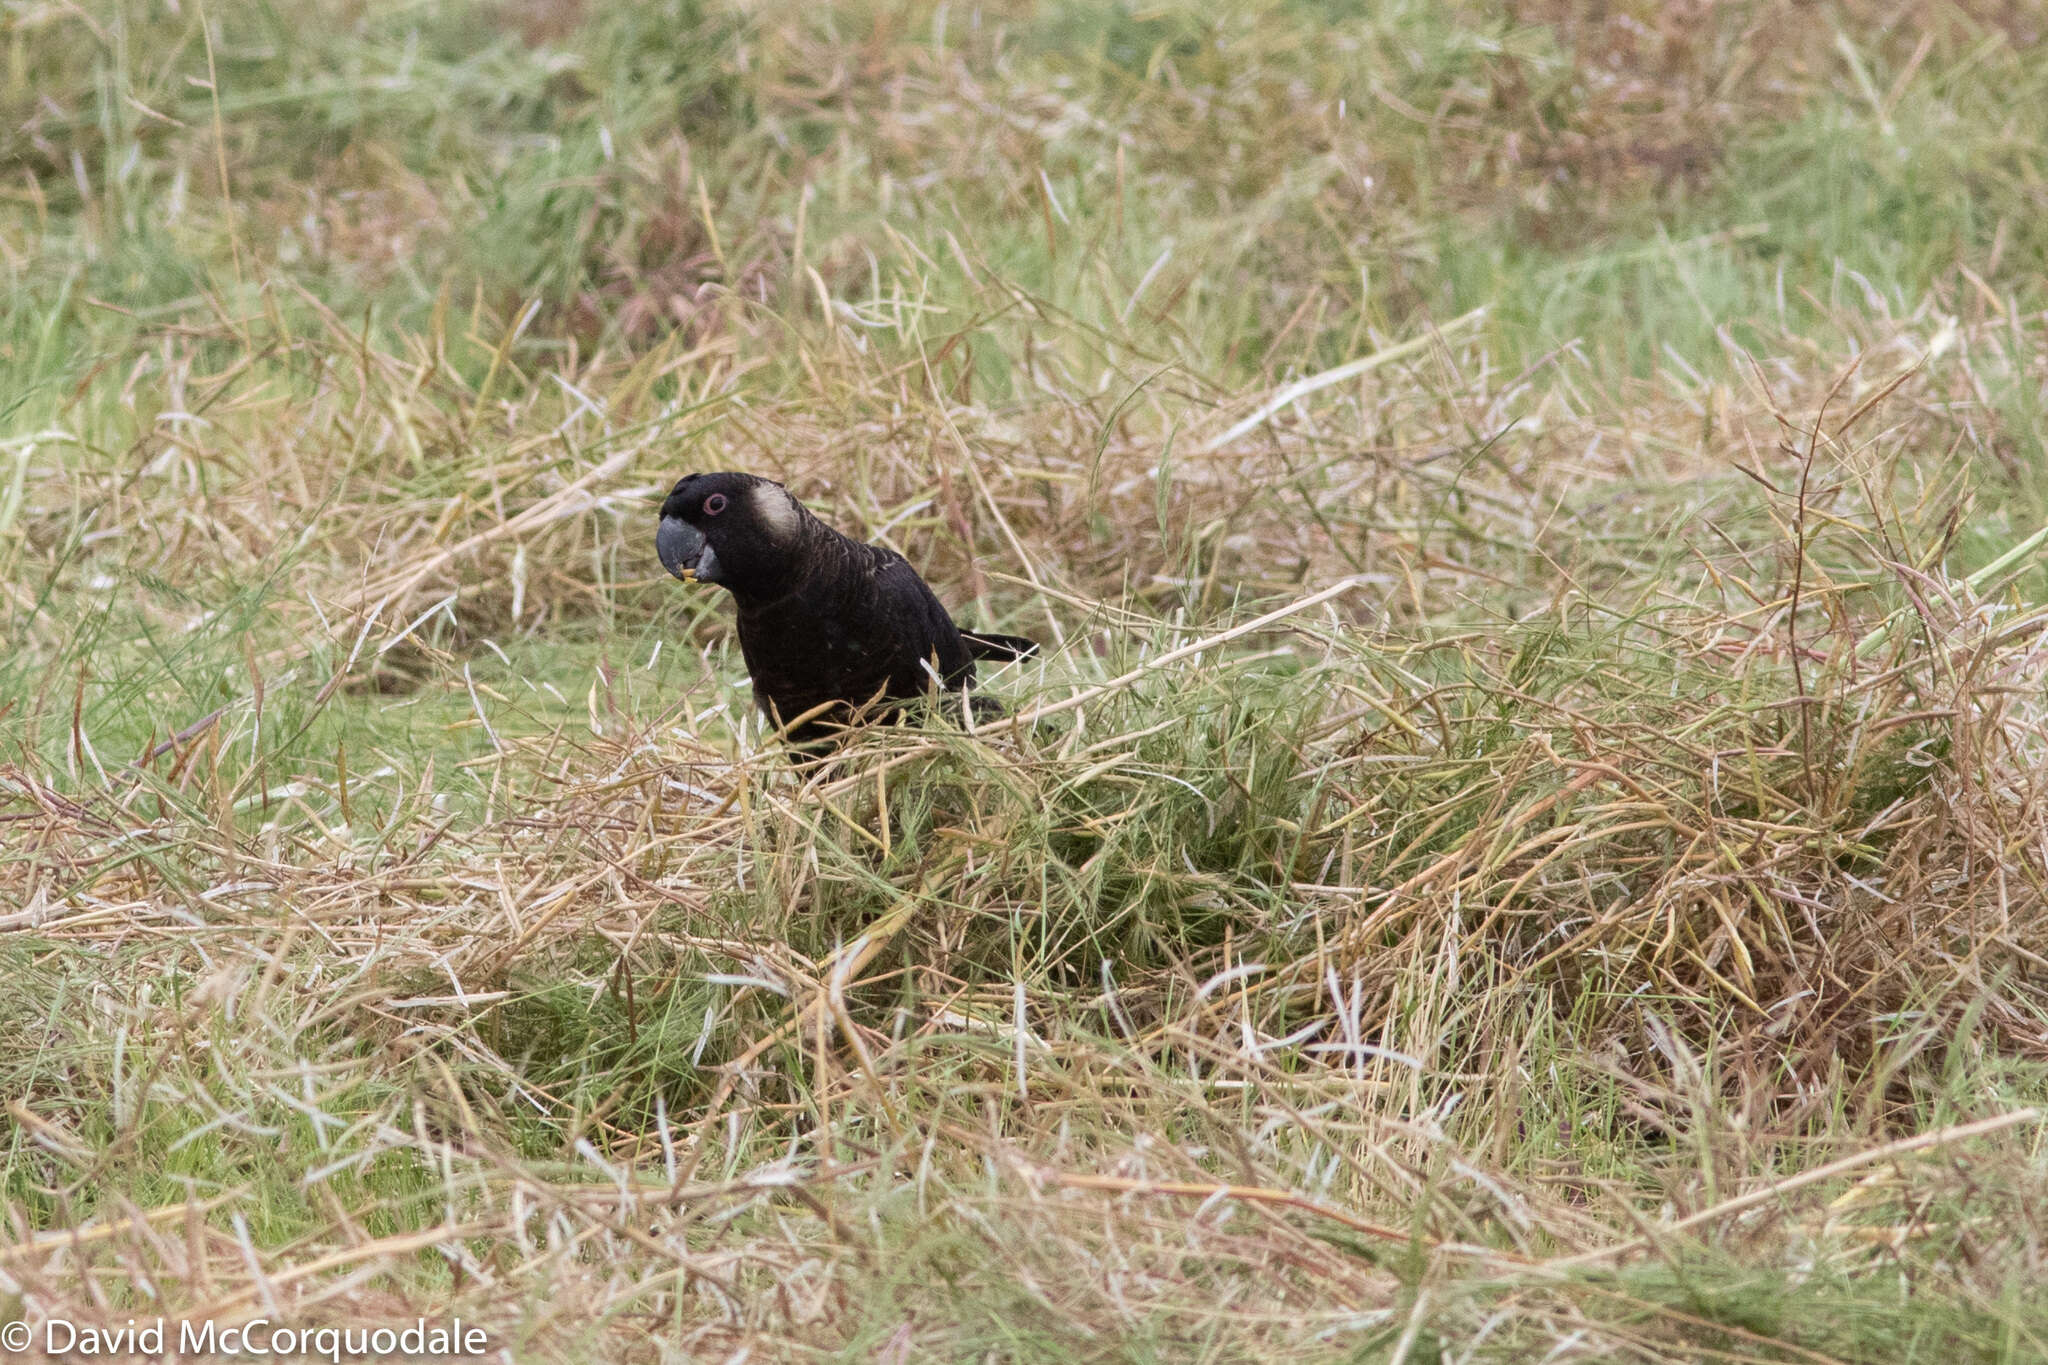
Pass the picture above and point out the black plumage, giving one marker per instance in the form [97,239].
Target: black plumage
[827,626]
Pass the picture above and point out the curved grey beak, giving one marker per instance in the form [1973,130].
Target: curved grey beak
[684,551]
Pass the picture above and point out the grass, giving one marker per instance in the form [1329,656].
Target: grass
[1526,846]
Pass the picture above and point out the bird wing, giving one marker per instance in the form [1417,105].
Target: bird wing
[919,624]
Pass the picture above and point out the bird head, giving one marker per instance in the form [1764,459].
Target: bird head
[736,530]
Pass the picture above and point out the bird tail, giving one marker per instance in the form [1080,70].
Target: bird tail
[1003,648]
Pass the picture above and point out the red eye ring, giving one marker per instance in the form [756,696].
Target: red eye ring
[714,504]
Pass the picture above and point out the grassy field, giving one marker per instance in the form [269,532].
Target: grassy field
[1528,840]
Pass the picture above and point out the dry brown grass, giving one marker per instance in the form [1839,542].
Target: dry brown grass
[1764,910]
[1509,856]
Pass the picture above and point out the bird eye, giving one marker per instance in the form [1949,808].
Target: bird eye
[714,504]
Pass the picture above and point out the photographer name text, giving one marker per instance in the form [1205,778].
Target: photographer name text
[259,1337]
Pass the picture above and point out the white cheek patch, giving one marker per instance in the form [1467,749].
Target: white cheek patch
[777,511]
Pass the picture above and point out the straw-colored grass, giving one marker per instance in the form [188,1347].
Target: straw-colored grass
[1528,839]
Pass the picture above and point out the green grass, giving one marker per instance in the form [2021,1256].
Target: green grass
[1599,915]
